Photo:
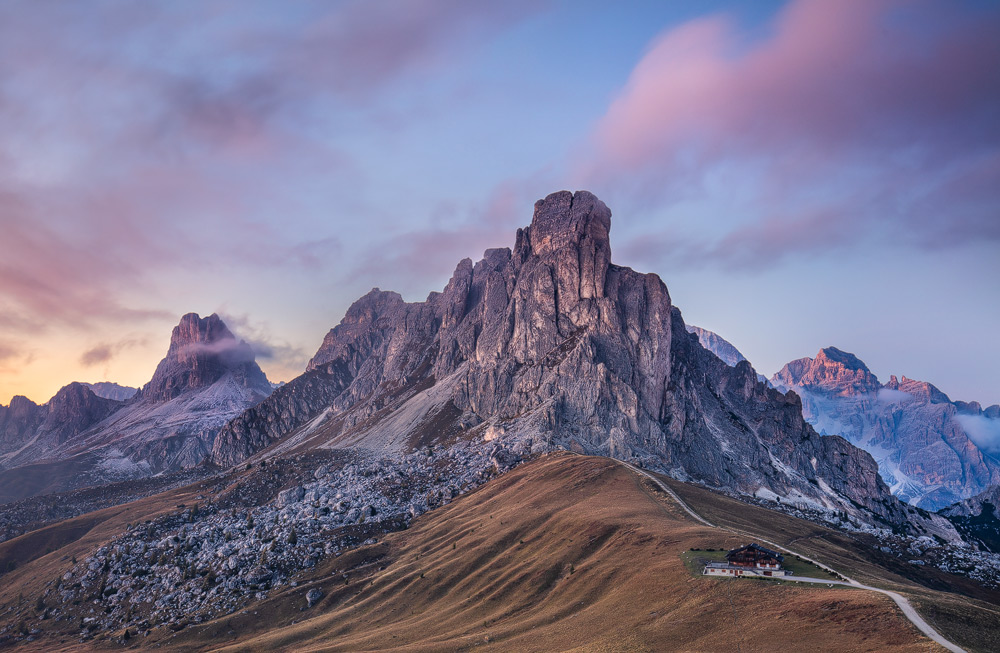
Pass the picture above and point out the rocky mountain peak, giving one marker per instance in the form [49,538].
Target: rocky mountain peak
[18,421]
[110,390]
[833,371]
[550,346]
[20,406]
[202,351]
[193,334]
[72,410]
[568,219]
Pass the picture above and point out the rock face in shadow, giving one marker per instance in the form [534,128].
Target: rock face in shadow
[73,410]
[18,423]
[549,345]
[978,518]
[931,451]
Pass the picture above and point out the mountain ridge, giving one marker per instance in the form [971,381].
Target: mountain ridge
[550,345]
[206,378]
[926,447]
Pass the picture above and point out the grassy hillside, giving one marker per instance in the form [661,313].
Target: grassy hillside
[563,553]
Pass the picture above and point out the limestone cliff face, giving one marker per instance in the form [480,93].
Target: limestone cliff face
[924,443]
[550,345]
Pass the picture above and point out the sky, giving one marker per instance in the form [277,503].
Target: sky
[801,174]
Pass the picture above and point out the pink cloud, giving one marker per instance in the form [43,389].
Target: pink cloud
[146,139]
[896,103]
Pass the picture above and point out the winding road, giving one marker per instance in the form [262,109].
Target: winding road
[908,611]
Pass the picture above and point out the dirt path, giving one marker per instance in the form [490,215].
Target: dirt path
[908,611]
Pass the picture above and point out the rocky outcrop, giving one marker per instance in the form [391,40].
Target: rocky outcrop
[550,345]
[986,502]
[18,423]
[929,449]
[978,518]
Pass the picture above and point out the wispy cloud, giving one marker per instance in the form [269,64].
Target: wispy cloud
[106,351]
[849,121]
[283,359]
[408,259]
[140,139]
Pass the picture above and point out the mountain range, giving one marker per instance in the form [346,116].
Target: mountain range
[80,438]
[546,355]
[928,447]
[542,347]
[931,451]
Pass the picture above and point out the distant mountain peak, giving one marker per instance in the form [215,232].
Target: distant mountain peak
[931,451]
[718,345]
[110,390]
[202,351]
[920,389]
[74,409]
[832,371]
[847,359]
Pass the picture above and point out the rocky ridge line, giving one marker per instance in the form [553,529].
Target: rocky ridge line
[549,345]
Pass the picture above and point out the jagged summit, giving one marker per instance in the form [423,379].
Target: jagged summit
[549,346]
[202,351]
[567,219]
[72,410]
[833,370]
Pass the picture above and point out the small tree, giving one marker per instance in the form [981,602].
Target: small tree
[293,539]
